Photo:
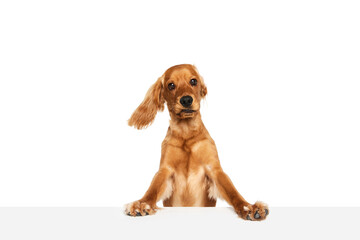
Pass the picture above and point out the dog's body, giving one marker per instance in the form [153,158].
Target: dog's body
[190,173]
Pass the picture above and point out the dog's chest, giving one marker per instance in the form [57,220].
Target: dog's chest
[189,182]
[189,188]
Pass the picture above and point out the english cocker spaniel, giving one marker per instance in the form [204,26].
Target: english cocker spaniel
[190,173]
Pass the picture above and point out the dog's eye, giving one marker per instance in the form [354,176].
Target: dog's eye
[171,86]
[193,82]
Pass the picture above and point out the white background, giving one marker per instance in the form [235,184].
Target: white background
[283,100]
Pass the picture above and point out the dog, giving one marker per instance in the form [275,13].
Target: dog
[190,174]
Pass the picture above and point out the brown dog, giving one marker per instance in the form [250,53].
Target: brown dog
[190,173]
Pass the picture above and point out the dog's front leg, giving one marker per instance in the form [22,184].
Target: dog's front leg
[227,190]
[160,186]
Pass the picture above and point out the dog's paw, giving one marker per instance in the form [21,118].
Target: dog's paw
[139,208]
[256,212]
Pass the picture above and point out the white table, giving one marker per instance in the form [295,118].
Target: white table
[177,223]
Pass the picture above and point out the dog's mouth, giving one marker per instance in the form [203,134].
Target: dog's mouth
[186,111]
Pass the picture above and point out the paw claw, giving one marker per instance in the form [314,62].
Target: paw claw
[128,214]
[138,214]
[248,217]
[266,212]
[257,215]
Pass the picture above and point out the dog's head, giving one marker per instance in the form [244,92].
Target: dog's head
[181,87]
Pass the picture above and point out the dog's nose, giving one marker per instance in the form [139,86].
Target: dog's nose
[186,101]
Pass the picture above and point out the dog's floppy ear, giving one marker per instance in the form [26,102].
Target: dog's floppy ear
[153,102]
[203,90]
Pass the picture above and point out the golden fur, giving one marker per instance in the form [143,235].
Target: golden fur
[190,173]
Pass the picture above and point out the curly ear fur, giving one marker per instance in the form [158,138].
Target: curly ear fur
[153,102]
